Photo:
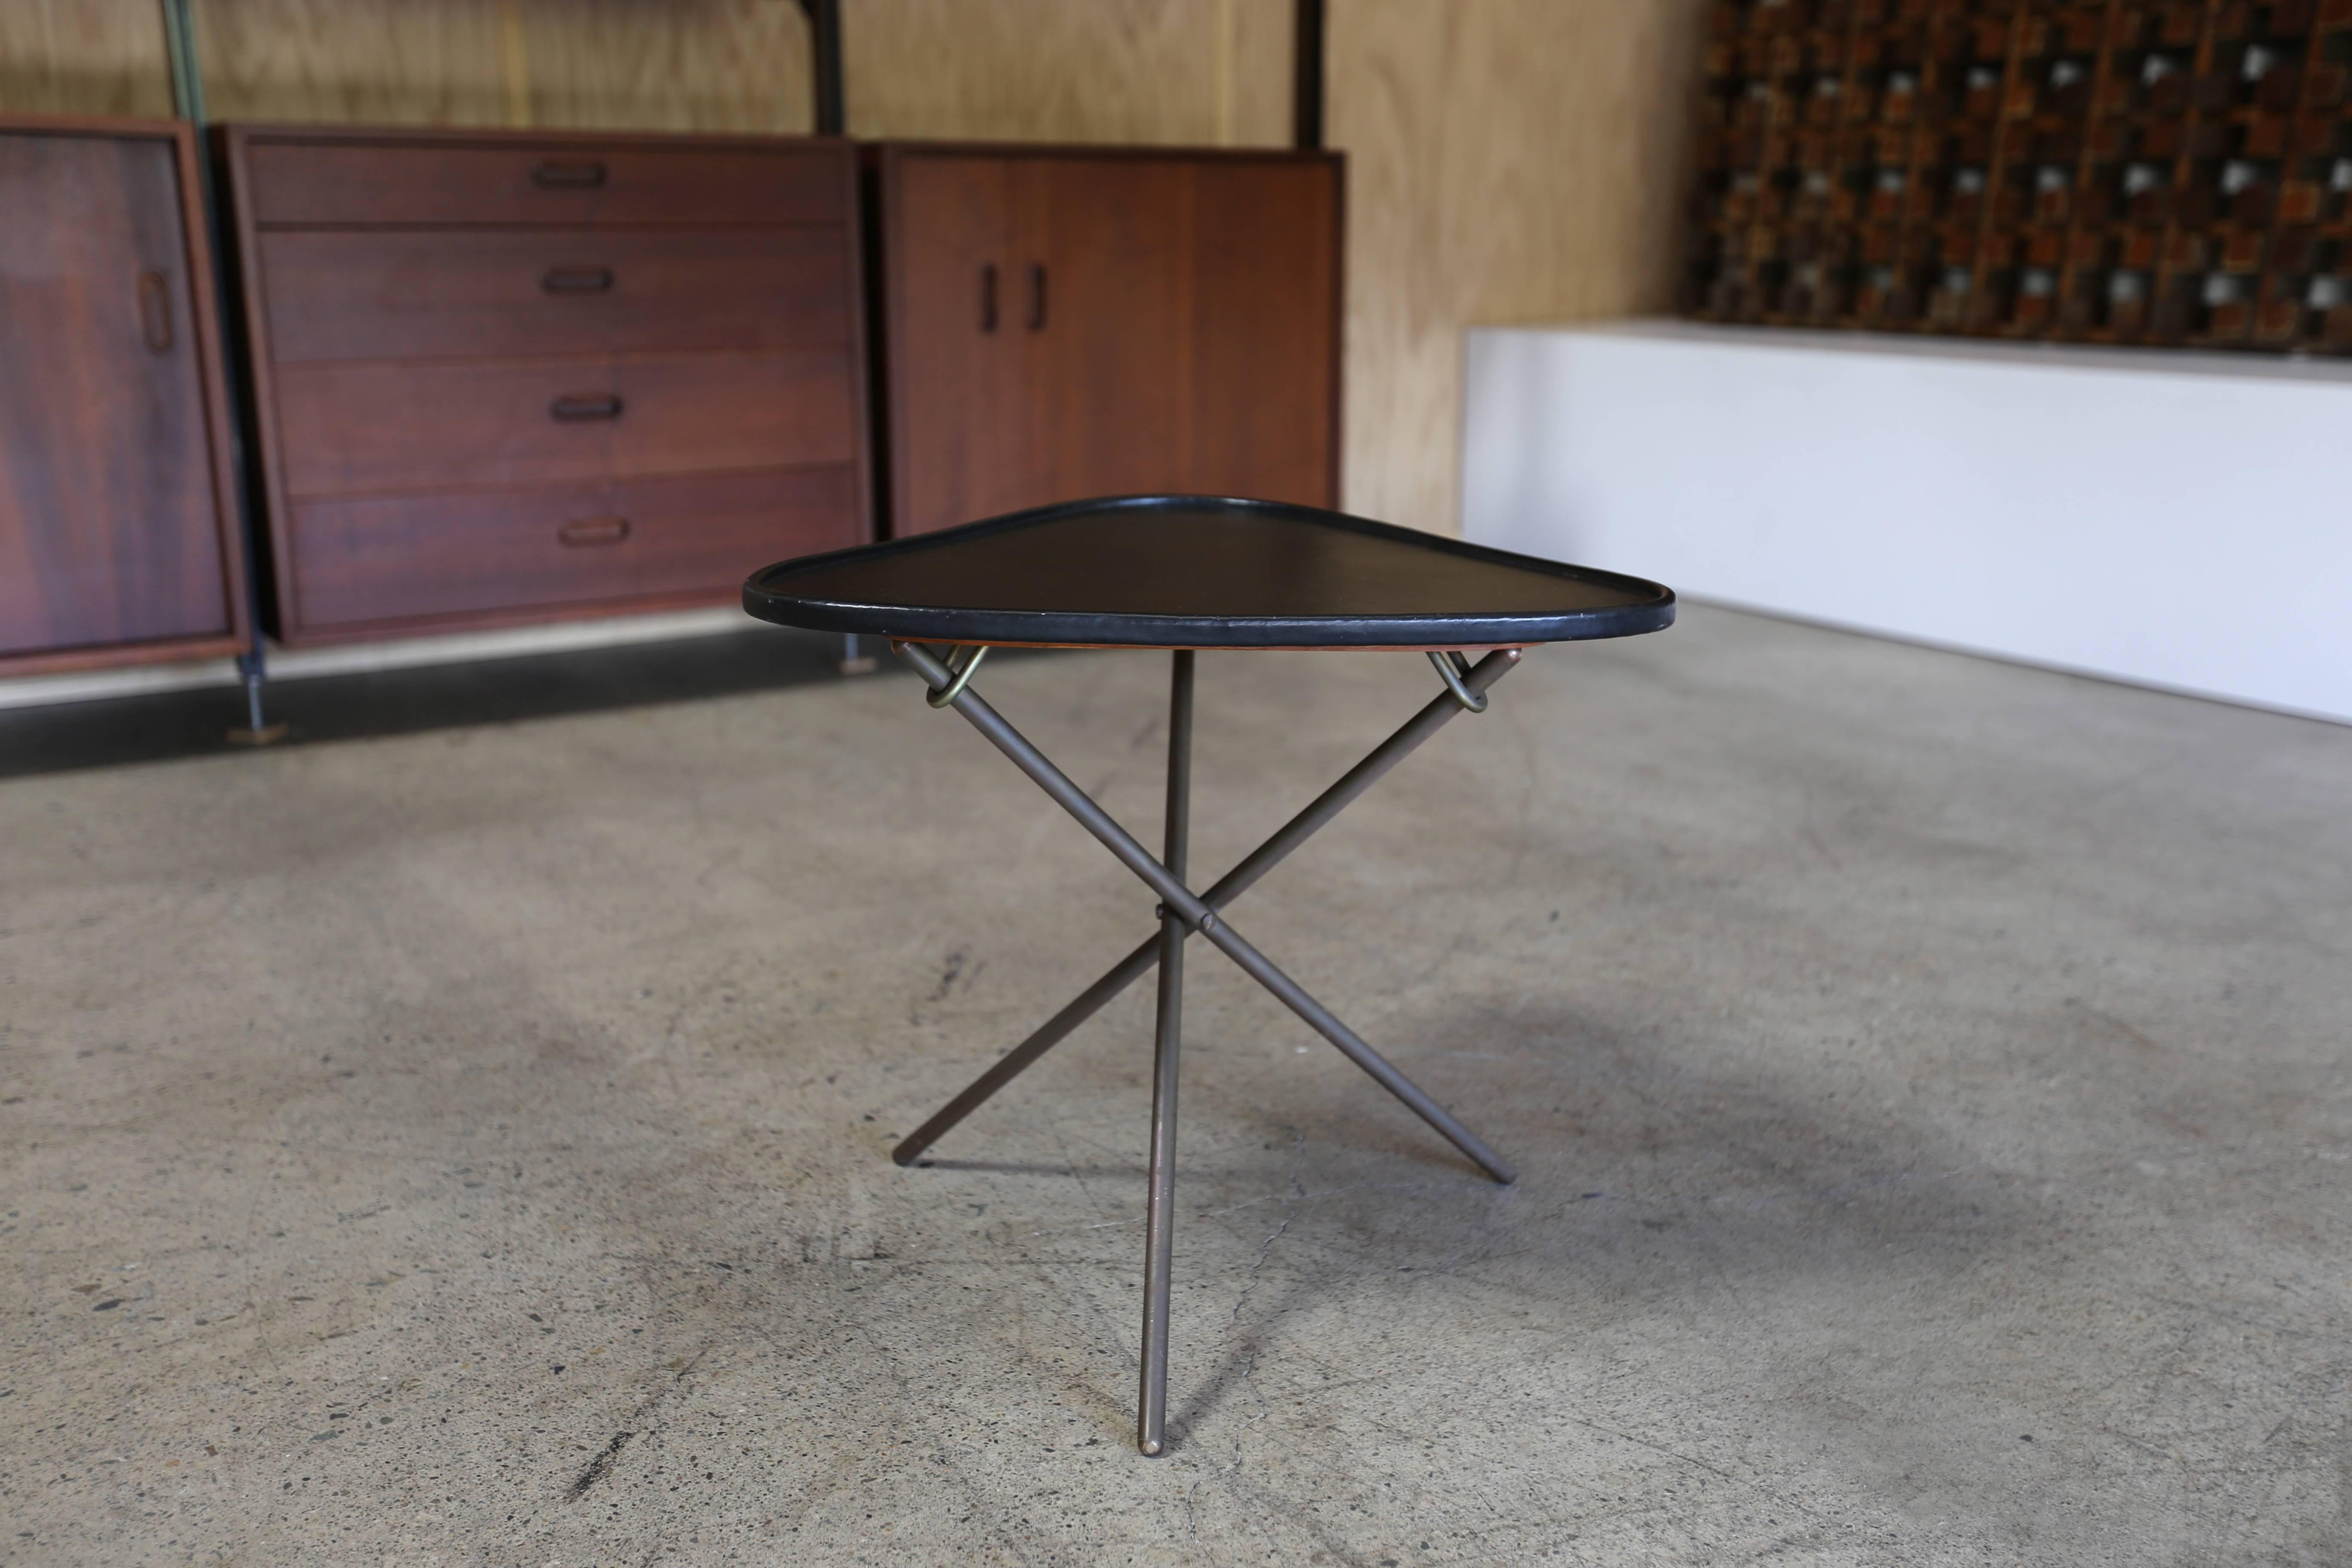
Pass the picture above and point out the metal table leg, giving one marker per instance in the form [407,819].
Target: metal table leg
[1160,1205]
[1197,915]
[1182,911]
[1431,718]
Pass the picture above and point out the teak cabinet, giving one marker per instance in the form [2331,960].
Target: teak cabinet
[118,538]
[510,376]
[1065,322]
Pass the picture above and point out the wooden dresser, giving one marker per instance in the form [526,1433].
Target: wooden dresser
[513,376]
[1064,322]
[118,534]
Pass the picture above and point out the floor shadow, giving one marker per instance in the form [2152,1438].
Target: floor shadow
[1670,1178]
[1003,1168]
[111,732]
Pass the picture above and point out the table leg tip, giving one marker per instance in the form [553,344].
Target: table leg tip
[1150,1446]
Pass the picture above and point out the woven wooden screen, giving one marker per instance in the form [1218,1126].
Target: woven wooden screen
[2094,170]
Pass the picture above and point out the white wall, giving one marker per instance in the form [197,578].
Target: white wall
[2181,521]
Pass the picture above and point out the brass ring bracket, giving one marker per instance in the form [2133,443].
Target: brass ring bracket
[1450,668]
[962,674]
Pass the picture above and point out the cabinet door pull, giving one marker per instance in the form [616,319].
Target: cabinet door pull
[1036,296]
[581,174]
[156,312]
[577,279]
[592,531]
[586,406]
[988,297]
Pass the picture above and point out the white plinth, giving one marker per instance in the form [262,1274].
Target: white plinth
[2179,521]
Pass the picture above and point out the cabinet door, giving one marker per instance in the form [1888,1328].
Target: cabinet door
[1106,297]
[1264,399]
[958,341]
[108,525]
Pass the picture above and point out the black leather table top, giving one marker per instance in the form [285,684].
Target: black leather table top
[1199,572]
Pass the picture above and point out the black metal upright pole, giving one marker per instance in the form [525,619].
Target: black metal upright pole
[188,103]
[1160,1202]
[828,95]
[1307,88]
[825,65]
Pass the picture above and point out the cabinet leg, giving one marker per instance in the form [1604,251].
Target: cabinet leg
[855,660]
[254,732]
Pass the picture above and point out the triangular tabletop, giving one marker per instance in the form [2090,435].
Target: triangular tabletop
[1200,572]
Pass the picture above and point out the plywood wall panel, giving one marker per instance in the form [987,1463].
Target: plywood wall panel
[687,64]
[682,65]
[420,62]
[1205,72]
[83,57]
[1509,161]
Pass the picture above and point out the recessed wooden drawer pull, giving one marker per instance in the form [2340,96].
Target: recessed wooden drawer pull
[156,312]
[577,279]
[586,406]
[581,175]
[594,530]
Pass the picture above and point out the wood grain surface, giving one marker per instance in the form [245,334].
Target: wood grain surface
[113,499]
[1201,72]
[353,429]
[681,65]
[1210,72]
[424,293]
[1065,323]
[451,178]
[955,341]
[1509,161]
[83,57]
[402,558]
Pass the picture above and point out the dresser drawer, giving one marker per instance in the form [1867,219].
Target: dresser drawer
[353,429]
[296,181]
[345,294]
[393,558]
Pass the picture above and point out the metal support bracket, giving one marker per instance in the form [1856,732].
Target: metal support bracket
[958,676]
[1452,667]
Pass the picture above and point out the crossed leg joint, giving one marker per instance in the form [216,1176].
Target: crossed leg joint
[1181,913]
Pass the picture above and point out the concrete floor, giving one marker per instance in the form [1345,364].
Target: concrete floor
[1930,1079]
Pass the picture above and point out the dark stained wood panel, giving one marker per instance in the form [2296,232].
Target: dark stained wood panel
[394,558]
[349,294]
[111,530]
[1110,398]
[371,426]
[1266,318]
[1165,321]
[512,376]
[959,344]
[333,182]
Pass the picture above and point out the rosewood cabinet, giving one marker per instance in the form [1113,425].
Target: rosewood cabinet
[510,376]
[1064,322]
[117,539]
